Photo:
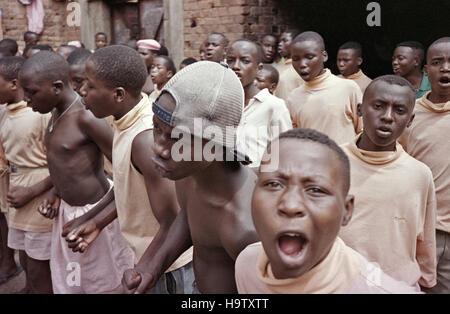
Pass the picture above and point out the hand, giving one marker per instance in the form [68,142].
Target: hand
[136,281]
[79,238]
[50,206]
[18,196]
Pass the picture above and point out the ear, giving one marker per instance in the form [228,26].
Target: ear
[349,206]
[325,56]
[260,67]
[272,87]
[58,87]
[411,120]
[169,74]
[359,61]
[14,84]
[119,94]
[359,110]
[425,69]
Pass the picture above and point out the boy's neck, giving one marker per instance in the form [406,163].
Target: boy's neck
[18,96]
[68,97]
[249,92]
[366,144]
[222,174]
[415,77]
[127,106]
[438,99]
[160,86]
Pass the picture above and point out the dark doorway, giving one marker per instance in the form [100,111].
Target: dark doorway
[339,21]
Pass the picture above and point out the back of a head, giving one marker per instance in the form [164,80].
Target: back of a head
[47,65]
[391,80]
[120,66]
[42,47]
[188,61]
[79,56]
[10,44]
[310,36]
[352,45]
[163,51]
[5,52]
[293,32]
[30,36]
[274,74]
[320,138]
[10,67]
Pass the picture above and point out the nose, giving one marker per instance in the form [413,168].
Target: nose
[83,90]
[388,114]
[446,66]
[161,148]
[291,204]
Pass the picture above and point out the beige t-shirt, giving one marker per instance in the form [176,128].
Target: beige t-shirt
[393,222]
[342,271]
[137,221]
[4,175]
[265,117]
[288,80]
[22,137]
[427,139]
[327,104]
[360,78]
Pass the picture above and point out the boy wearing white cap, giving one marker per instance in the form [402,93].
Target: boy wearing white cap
[203,103]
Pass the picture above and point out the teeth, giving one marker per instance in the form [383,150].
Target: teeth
[292,234]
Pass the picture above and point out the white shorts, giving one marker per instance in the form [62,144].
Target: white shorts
[37,245]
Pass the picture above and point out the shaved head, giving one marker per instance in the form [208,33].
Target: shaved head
[48,65]
[310,36]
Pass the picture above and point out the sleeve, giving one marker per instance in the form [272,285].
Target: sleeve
[426,241]
[292,112]
[280,122]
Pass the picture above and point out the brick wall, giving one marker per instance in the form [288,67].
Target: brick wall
[234,18]
[56,31]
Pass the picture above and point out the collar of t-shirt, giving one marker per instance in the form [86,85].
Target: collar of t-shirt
[332,275]
[375,158]
[427,104]
[354,76]
[17,106]
[319,82]
[130,118]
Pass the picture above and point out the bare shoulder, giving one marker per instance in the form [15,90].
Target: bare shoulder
[237,230]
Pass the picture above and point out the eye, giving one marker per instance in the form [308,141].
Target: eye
[315,191]
[272,185]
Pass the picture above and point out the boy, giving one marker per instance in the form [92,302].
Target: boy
[101,40]
[30,38]
[161,72]
[289,79]
[148,48]
[10,44]
[77,75]
[75,140]
[298,210]
[8,267]
[349,60]
[267,77]
[216,47]
[77,60]
[264,116]
[186,62]
[324,102]
[427,141]
[22,138]
[407,62]
[145,203]
[214,218]
[65,50]
[269,47]
[403,222]
[29,51]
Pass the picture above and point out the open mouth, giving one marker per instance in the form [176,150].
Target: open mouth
[396,70]
[292,247]
[445,80]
